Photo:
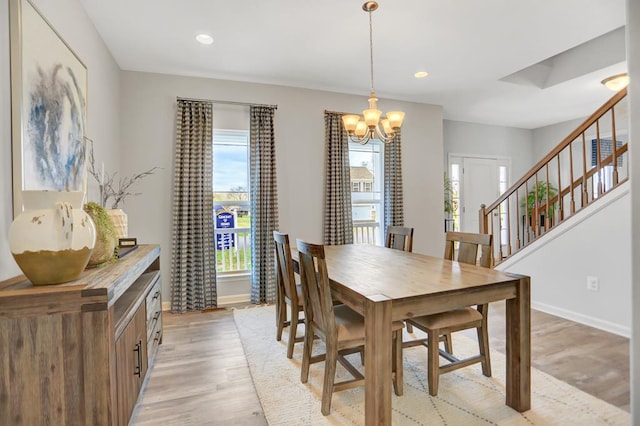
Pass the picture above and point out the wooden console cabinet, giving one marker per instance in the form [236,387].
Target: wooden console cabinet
[77,353]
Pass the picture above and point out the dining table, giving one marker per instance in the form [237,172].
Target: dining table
[386,285]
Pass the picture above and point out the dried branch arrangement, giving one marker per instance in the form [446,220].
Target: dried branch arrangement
[110,189]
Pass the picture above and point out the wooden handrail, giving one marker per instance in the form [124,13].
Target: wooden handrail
[593,118]
[545,205]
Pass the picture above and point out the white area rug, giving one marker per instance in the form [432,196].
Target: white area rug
[465,396]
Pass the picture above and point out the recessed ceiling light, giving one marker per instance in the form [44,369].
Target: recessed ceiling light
[421,74]
[204,38]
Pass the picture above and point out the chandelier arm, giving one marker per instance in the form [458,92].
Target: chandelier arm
[383,137]
[363,140]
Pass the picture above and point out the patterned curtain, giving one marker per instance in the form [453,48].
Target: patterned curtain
[264,203]
[193,260]
[338,223]
[393,198]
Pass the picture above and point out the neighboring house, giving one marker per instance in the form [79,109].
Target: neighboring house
[361,179]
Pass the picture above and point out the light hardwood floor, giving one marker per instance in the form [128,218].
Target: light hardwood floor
[201,375]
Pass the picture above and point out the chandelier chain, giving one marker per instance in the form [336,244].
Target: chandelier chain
[371,47]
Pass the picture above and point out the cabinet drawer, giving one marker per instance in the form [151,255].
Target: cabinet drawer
[154,319]
[154,339]
[154,297]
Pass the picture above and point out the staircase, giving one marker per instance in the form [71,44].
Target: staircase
[585,167]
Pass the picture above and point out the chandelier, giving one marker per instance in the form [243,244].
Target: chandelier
[363,129]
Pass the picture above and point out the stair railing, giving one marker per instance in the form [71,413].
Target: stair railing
[586,165]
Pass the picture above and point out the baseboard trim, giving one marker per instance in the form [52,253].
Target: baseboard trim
[222,301]
[583,319]
[234,298]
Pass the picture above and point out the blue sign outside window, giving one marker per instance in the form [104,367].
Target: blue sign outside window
[225,220]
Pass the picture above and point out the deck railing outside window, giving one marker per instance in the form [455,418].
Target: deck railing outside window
[233,250]
[365,231]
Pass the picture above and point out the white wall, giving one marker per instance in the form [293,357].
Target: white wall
[71,22]
[547,138]
[595,242]
[633,60]
[485,140]
[148,137]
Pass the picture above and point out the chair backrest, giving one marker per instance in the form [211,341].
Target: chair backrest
[468,247]
[314,278]
[399,237]
[284,266]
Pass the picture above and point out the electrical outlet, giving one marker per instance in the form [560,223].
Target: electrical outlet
[592,283]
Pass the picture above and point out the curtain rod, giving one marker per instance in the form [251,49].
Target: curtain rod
[339,112]
[216,101]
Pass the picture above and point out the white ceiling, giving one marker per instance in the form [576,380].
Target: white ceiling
[467,46]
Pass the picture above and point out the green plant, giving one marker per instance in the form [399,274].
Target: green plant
[540,191]
[102,221]
[448,195]
[106,237]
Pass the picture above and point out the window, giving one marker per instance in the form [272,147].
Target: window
[454,193]
[231,200]
[504,181]
[366,196]
[604,176]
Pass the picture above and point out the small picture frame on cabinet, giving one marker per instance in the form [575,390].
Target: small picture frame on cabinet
[127,242]
[126,246]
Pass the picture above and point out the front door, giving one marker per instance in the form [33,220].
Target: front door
[480,185]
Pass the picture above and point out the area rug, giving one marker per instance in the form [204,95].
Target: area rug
[465,396]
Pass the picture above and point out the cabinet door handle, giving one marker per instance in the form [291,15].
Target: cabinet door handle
[157,335]
[156,316]
[138,350]
[156,295]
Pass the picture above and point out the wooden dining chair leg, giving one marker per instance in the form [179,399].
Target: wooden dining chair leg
[448,343]
[483,341]
[306,354]
[433,361]
[331,360]
[293,329]
[398,374]
[281,314]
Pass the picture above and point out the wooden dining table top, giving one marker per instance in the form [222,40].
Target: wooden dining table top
[374,270]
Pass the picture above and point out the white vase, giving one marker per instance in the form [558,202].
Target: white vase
[52,239]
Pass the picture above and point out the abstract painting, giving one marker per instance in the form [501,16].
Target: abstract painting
[49,98]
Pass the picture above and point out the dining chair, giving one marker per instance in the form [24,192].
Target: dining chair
[338,326]
[289,293]
[440,326]
[400,238]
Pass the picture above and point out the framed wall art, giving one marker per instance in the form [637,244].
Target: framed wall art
[48,106]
